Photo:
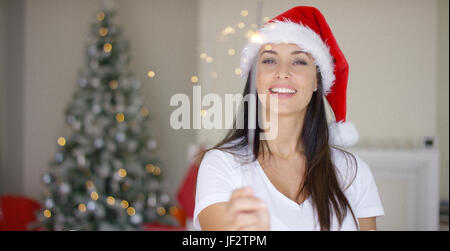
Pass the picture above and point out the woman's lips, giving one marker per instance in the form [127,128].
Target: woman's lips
[282,95]
[282,90]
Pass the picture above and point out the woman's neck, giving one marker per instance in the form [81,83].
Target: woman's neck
[289,128]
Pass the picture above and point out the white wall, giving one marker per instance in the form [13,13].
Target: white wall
[392,49]
[442,94]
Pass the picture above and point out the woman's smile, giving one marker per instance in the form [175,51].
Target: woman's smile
[282,90]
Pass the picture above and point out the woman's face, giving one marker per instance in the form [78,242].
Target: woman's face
[287,73]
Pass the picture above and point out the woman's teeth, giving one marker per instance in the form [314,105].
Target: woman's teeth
[282,90]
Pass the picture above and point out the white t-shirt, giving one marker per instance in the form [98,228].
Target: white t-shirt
[220,173]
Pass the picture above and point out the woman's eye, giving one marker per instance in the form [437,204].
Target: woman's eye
[272,61]
[268,61]
[300,62]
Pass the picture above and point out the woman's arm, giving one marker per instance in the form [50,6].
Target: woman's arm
[367,224]
[211,219]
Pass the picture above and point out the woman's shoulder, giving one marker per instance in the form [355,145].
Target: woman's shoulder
[220,157]
[217,154]
[232,155]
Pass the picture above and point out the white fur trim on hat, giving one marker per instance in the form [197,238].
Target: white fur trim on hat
[342,134]
[289,32]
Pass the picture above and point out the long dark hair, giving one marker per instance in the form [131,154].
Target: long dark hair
[320,181]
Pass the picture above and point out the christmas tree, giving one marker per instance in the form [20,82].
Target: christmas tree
[104,175]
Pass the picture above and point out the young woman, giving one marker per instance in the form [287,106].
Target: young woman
[301,179]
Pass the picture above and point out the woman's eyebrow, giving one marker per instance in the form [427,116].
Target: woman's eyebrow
[269,51]
[292,53]
[298,52]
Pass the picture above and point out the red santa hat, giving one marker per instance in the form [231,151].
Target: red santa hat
[306,27]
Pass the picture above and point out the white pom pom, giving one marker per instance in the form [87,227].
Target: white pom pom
[342,134]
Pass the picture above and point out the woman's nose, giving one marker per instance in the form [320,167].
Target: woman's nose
[283,72]
[281,75]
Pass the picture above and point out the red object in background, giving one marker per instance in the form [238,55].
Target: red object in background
[180,215]
[186,193]
[16,212]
